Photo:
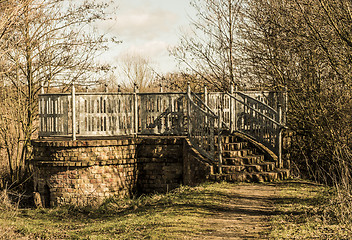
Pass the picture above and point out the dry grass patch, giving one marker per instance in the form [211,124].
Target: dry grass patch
[174,215]
[308,211]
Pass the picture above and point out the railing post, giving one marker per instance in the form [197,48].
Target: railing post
[206,100]
[135,112]
[41,104]
[189,108]
[160,87]
[73,100]
[286,105]
[219,141]
[232,111]
[119,88]
[41,88]
[280,138]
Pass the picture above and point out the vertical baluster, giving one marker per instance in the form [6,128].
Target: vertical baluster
[189,109]
[232,112]
[220,142]
[135,110]
[280,139]
[73,113]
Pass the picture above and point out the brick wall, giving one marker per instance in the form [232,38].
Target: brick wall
[196,169]
[160,163]
[88,171]
[84,172]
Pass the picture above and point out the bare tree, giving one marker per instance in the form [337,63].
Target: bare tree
[210,49]
[51,43]
[137,70]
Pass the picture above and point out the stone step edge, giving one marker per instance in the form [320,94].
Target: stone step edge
[249,165]
[276,175]
[248,156]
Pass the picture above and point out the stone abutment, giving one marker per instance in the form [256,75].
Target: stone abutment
[85,172]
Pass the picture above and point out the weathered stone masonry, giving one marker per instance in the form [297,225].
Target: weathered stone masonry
[88,171]
[81,172]
[160,164]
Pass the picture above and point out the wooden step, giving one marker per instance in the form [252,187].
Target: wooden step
[237,153]
[250,159]
[260,167]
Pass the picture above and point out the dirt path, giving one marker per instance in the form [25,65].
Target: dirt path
[245,215]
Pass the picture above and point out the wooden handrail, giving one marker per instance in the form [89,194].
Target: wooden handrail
[256,100]
[260,113]
[209,114]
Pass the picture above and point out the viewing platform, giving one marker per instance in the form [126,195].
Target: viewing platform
[95,145]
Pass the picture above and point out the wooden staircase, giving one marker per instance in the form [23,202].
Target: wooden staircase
[245,161]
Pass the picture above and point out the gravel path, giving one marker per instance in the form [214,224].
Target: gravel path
[244,216]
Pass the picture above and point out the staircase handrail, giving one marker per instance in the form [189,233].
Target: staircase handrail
[270,132]
[201,101]
[201,132]
[254,99]
[259,112]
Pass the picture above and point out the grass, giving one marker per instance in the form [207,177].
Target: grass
[302,211]
[160,216]
[307,211]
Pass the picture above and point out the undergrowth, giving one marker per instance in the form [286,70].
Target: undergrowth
[302,210]
[306,210]
[171,215]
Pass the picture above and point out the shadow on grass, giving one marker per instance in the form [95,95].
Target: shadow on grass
[184,201]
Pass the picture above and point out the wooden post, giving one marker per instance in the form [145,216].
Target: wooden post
[106,88]
[161,87]
[189,108]
[286,105]
[280,139]
[232,112]
[219,141]
[119,88]
[206,100]
[41,110]
[205,94]
[73,100]
[135,114]
[41,88]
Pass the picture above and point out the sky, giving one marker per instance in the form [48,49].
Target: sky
[148,28]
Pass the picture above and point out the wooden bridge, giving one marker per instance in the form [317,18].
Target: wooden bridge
[203,117]
[96,145]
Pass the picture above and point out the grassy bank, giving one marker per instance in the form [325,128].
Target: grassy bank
[160,216]
[305,210]
[301,211]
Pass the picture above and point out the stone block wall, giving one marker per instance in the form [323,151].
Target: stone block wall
[196,169]
[160,164]
[84,172]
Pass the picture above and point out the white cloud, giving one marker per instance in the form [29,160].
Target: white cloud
[142,24]
[146,28]
[151,49]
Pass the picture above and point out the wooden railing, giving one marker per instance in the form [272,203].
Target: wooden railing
[161,113]
[246,114]
[108,114]
[54,110]
[201,128]
[260,115]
